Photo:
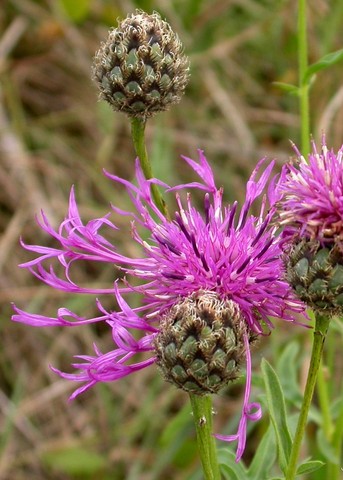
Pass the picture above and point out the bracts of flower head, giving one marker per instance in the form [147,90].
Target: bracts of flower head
[141,69]
[311,210]
[209,283]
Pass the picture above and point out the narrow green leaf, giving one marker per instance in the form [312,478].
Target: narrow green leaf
[185,451]
[8,423]
[325,448]
[277,412]
[287,87]
[288,376]
[75,461]
[230,473]
[181,421]
[264,458]
[309,467]
[228,466]
[325,62]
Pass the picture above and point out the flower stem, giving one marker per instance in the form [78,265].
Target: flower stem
[202,412]
[320,330]
[201,405]
[138,137]
[334,470]
[303,83]
[324,402]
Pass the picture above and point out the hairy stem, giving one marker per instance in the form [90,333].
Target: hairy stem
[138,137]
[202,412]
[303,84]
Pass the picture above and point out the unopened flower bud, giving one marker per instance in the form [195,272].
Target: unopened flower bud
[316,274]
[200,344]
[141,68]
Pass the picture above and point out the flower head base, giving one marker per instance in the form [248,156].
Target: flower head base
[316,274]
[141,68]
[200,344]
[312,212]
[220,267]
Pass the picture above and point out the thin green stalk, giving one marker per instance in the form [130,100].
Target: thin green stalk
[201,405]
[320,330]
[324,402]
[202,413]
[334,470]
[337,444]
[138,137]
[303,85]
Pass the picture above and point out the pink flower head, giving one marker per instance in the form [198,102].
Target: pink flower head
[312,193]
[231,253]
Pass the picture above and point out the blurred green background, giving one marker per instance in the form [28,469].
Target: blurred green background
[54,133]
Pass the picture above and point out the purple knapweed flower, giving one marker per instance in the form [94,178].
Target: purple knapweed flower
[311,212]
[209,283]
[313,195]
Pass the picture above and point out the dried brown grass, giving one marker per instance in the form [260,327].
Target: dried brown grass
[53,134]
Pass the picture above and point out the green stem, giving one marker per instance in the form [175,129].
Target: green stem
[324,402]
[303,85]
[334,470]
[320,330]
[201,405]
[138,137]
[202,412]
[338,444]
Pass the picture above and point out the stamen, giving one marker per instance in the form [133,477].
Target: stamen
[231,217]
[182,226]
[207,208]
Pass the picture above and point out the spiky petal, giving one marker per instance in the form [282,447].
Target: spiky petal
[312,192]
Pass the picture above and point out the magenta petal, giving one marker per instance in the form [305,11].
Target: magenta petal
[251,411]
[36,320]
[312,195]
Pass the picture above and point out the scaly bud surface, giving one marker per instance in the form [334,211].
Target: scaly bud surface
[141,68]
[200,344]
[316,274]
